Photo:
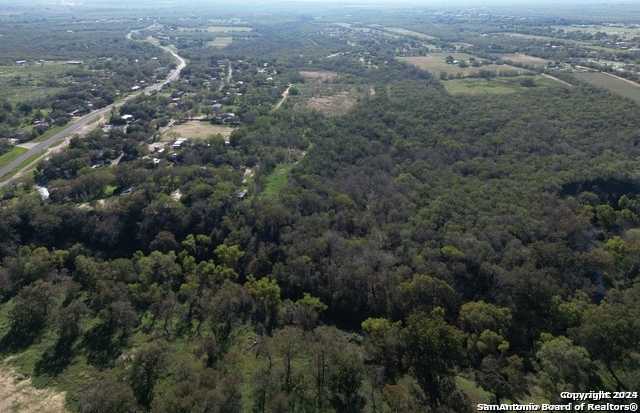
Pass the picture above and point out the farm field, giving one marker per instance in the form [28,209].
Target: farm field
[521,58]
[220,42]
[197,130]
[613,84]
[436,63]
[498,86]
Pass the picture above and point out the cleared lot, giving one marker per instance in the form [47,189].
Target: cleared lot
[197,130]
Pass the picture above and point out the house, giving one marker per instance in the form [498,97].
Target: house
[217,108]
[242,193]
[127,117]
[136,87]
[21,62]
[178,143]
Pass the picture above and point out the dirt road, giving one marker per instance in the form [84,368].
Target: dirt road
[285,96]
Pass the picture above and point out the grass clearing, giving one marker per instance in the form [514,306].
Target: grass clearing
[11,155]
[436,63]
[196,129]
[339,103]
[319,75]
[497,86]
[613,84]
[521,58]
[32,81]
[220,42]
[277,180]
[409,33]
[473,391]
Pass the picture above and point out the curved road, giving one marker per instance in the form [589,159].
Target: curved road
[88,119]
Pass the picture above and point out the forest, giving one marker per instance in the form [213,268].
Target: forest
[423,252]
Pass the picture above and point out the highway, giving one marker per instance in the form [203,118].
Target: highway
[77,125]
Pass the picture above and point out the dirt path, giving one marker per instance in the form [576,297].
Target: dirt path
[285,96]
[557,80]
[228,79]
[19,396]
[631,82]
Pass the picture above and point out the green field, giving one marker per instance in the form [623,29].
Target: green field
[277,180]
[497,86]
[11,155]
[613,84]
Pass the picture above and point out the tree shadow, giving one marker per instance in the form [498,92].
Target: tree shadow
[103,345]
[56,358]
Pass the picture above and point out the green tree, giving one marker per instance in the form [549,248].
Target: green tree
[433,348]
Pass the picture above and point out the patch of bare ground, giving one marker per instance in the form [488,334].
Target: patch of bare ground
[336,104]
[18,395]
[319,75]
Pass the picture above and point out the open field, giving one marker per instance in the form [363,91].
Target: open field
[22,83]
[436,63]
[320,75]
[196,129]
[619,86]
[523,59]
[498,86]
[220,42]
[336,104]
[624,32]
[409,33]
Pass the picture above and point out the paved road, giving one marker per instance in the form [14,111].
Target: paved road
[83,122]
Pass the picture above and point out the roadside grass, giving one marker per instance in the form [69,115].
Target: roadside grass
[23,165]
[49,133]
[277,180]
[11,155]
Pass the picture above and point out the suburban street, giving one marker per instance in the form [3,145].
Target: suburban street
[86,120]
